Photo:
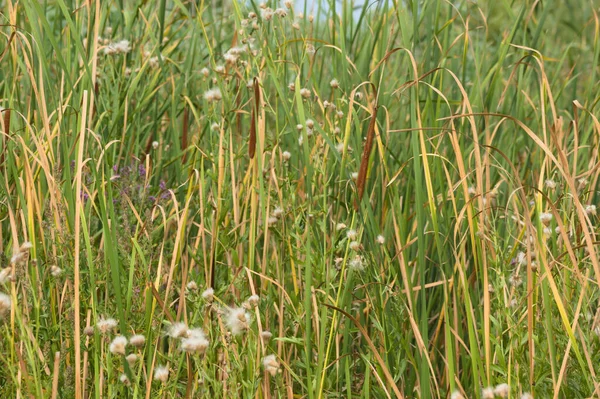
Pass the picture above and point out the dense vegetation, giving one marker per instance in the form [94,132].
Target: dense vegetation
[234,199]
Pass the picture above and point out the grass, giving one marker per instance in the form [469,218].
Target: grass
[394,199]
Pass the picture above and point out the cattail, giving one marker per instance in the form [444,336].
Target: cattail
[213,95]
[56,271]
[305,93]
[380,239]
[161,374]
[270,364]
[351,234]
[237,320]
[178,330]
[546,218]
[106,325]
[286,156]
[131,359]
[137,340]
[502,390]
[487,393]
[117,346]
[195,343]
[208,295]
[5,304]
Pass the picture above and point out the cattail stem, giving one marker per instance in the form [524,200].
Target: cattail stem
[362,173]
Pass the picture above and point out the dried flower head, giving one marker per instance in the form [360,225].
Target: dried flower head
[117,346]
[137,340]
[208,295]
[270,364]
[205,72]
[380,239]
[161,374]
[590,209]
[55,271]
[354,176]
[354,245]
[502,390]
[286,156]
[5,275]
[253,300]
[106,325]
[192,286]
[340,226]
[526,395]
[124,379]
[237,320]
[551,184]
[195,343]
[213,95]
[5,304]
[457,395]
[131,359]
[266,335]
[351,234]
[334,84]
[356,263]
[305,93]
[545,218]
[487,393]
[178,330]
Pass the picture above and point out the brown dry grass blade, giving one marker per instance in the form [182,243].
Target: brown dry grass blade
[365,334]
[362,173]
[6,125]
[184,133]
[252,142]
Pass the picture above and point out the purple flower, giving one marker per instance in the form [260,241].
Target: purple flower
[162,185]
[142,170]
[152,198]
[115,168]
[165,195]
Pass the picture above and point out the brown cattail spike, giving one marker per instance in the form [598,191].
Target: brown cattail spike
[362,173]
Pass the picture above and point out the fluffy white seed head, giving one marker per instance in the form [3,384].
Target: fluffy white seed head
[5,275]
[380,239]
[354,245]
[356,263]
[305,93]
[192,286]
[56,271]
[502,390]
[551,184]
[487,393]
[266,336]
[457,395]
[286,155]
[124,379]
[590,209]
[351,234]
[131,359]
[340,226]
[106,325]
[208,295]
[5,304]
[137,340]
[546,218]
[195,342]
[178,330]
[270,364]
[117,346]
[334,83]
[213,95]
[253,300]
[237,320]
[161,374]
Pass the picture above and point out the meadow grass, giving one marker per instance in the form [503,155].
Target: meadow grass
[278,200]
